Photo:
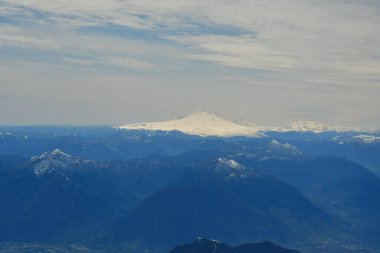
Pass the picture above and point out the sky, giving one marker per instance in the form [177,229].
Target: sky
[118,61]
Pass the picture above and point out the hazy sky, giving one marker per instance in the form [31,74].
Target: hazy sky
[113,61]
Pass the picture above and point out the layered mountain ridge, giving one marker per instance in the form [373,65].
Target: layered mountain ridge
[237,190]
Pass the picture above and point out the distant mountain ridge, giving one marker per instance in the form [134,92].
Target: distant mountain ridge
[207,124]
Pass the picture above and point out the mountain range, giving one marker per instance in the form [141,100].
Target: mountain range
[105,189]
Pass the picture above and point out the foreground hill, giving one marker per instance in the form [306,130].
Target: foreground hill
[58,197]
[341,187]
[226,201]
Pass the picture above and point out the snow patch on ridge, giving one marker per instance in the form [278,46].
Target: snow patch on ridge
[229,163]
[230,168]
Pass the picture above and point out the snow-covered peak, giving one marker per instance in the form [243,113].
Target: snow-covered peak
[202,240]
[309,125]
[203,115]
[55,160]
[55,154]
[5,134]
[277,145]
[229,168]
[317,127]
[368,139]
[361,138]
[273,150]
[199,123]
[282,149]
[229,163]
[57,151]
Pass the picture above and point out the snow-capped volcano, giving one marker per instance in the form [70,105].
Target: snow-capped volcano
[199,123]
[208,124]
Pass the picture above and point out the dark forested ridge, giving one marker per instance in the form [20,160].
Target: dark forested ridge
[225,202]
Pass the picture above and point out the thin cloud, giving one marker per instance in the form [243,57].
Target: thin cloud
[14,36]
[310,47]
[125,62]
[275,35]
